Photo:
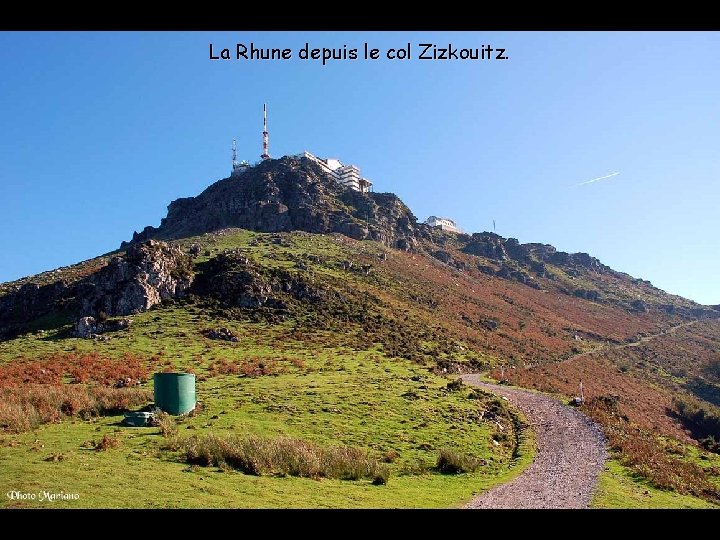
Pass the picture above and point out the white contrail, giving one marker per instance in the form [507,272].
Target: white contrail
[596,179]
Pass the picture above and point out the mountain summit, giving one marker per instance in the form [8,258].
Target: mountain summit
[288,194]
[296,193]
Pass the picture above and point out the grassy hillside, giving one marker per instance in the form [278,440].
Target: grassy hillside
[359,353]
[284,376]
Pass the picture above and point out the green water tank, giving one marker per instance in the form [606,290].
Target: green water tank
[175,392]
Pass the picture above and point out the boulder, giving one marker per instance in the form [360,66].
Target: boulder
[490,324]
[85,327]
[587,294]
[223,334]
[443,256]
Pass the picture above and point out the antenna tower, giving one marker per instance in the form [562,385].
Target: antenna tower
[235,163]
[265,154]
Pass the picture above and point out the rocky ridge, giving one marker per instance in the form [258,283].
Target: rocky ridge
[295,194]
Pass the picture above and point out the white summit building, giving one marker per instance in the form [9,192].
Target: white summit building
[446,224]
[347,175]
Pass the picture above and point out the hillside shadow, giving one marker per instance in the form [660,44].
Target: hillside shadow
[704,390]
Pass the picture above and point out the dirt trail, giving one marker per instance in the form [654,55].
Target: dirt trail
[570,454]
[637,342]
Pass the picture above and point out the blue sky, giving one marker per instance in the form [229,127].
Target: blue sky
[100,131]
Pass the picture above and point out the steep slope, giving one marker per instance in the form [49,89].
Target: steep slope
[296,194]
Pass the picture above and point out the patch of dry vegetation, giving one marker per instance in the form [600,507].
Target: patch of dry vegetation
[283,456]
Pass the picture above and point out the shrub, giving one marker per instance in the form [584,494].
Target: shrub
[298,363]
[23,408]
[452,462]
[224,367]
[711,444]
[107,442]
[253,367]
[641,451]
[381,476]
[283,456]
[258,368]
[166,423]
[703,419]
[390,456]
[126,371]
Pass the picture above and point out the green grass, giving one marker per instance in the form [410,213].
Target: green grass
[331,387]
[326,390]
[620,488]
[132,477]
[346,398]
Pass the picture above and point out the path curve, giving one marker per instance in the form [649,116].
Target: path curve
[571,452]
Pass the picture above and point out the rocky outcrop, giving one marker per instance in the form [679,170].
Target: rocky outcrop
[233,279]
[587,294]
[443,256]
[148,274]
[488,245]
[538,268]
[89,327]
[447,258]
[507,272]
[284,195]
[485,269]
[236,281]
[31,301]
[534,256]
[85,327]
[144,276]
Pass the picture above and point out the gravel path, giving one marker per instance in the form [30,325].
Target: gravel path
[570,455]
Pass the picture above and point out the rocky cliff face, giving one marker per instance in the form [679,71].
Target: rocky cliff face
[148,274]
[284,195]
[144,276]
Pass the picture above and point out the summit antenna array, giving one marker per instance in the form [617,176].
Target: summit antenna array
[265,154]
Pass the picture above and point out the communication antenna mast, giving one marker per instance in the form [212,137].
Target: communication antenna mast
[265,154]
[235,163]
